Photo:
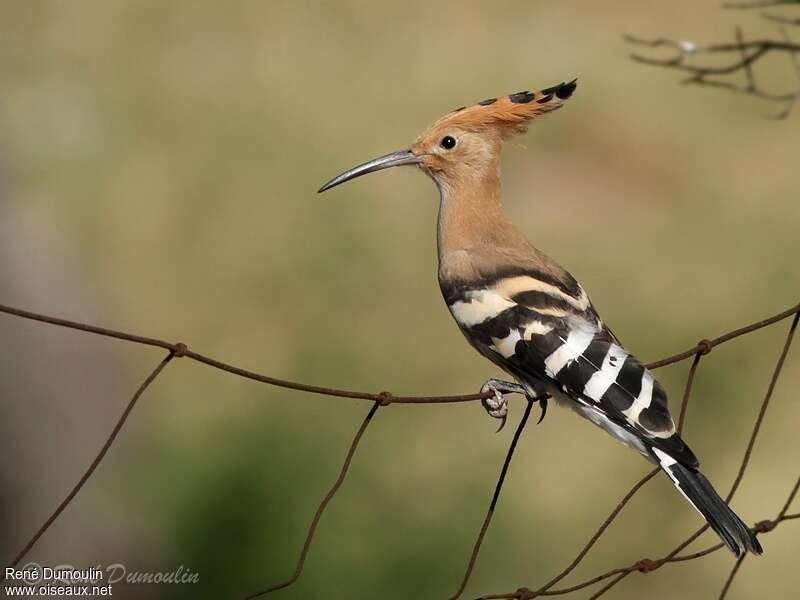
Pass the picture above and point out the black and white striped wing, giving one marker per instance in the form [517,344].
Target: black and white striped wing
[541,332]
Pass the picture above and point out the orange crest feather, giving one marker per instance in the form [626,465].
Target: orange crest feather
[511,113]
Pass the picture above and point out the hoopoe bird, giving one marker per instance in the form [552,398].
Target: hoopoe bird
[527,314]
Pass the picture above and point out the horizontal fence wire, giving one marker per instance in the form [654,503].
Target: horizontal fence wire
[384,398]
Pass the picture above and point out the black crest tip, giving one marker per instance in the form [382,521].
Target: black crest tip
[521,97]
[565,90]
[551,90]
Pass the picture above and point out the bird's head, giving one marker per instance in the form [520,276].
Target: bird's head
[465,144]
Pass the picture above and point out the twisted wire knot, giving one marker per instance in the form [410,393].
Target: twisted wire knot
[765,526]
[704,346]
[385,398]
[647,565]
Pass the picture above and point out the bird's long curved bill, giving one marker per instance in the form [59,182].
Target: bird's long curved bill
[393,159]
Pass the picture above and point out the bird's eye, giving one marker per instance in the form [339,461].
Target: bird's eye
[448,142]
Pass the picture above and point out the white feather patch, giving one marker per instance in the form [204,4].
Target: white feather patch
[666,461]
[603,379]
[642,401]
[506,346]
[511,286]
[576,343]
[484,305]
[536,328]
[620,433]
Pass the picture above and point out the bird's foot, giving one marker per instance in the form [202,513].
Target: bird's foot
[497,405]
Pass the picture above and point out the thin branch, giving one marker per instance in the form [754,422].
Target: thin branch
[792,57]
[781,19]
[796,66]
[687,59]
[687,49]
[748,68]
[758,4]
[738,89]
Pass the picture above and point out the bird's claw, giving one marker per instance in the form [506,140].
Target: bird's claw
[502,423]
[543,405]
[497,405]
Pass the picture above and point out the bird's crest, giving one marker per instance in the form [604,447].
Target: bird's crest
[510,114]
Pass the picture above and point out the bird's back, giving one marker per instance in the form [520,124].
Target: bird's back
[529,315]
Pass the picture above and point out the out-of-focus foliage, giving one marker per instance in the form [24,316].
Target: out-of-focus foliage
[159,163]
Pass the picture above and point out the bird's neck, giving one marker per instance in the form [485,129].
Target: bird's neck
[472,225]
[468,214]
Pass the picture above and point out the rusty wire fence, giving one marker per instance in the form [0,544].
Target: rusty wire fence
[609,579]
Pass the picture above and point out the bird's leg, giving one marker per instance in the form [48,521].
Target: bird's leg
[497,405]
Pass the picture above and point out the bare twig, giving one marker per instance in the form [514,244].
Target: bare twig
[687,57]
[781,19]
[758,4]
[796,66]
[748,68]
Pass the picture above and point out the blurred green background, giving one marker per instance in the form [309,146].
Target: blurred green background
[158,168]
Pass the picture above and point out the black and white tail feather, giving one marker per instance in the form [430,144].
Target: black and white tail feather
[701,495]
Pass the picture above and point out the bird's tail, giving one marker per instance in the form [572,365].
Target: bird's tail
[702,495]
